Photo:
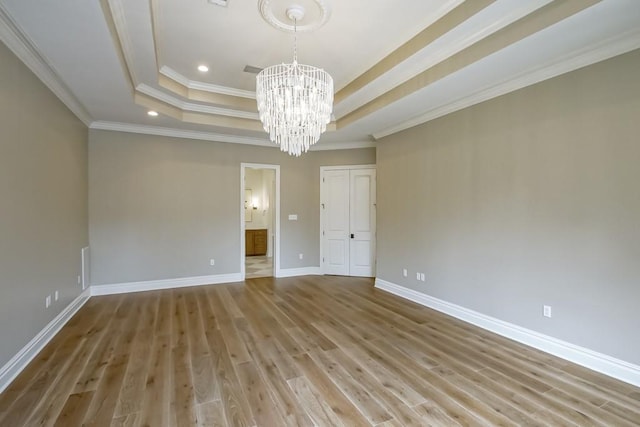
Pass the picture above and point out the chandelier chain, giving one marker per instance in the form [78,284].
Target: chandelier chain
[295,41]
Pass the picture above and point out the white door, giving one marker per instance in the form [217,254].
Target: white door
[335,204]
[348,221]
[362,213]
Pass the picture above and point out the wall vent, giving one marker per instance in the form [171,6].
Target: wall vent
[251,69]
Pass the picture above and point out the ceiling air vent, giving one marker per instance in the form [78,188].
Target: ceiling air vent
[222,3]
[251,69]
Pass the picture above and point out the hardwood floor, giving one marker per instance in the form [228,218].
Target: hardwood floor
[298,351]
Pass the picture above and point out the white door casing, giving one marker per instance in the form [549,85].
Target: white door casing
[348,220]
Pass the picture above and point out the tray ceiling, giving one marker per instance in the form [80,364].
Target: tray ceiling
[394,67]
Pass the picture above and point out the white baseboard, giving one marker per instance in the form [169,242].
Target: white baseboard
[152,285]
[303,271]
[599,362]
[18,362]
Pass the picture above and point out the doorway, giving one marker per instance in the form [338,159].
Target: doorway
[260,223]
[348,220]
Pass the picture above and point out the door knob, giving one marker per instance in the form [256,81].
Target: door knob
[352,235]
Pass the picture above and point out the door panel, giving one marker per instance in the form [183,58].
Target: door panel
[336,222]
[362,222]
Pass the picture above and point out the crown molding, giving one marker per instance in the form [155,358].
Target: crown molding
[218,137]
[206,87]
[179,133]
[24,48]
[328,146]
[369,92]
[604,50]
[116,10]
[199,108]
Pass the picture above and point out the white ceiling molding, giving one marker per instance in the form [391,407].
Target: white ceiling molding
[179,133]
[326,146]
[217,137]
[124,38]
[206,87]
[322,8]
[22,46]
[427,58]
[188,106]
[604,50]
[90,66]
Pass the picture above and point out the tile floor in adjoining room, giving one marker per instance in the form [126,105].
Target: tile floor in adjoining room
[258,266]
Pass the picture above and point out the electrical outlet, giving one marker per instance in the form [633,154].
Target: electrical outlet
[56,295]
[422,277]
[300,256]
[79,279]
[47,301]
[404,272]
[212,262]
[546,310]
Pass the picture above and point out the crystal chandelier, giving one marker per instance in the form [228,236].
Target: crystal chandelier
[294,100]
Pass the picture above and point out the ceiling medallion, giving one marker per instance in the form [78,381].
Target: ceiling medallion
[294,100]
[317,14]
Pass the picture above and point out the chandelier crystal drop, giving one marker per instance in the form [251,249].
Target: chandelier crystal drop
[294,101]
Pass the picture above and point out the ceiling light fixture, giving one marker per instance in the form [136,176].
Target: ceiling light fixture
[294,100]
[152,113]
[203,68]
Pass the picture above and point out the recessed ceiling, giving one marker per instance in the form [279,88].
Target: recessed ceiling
[394,65]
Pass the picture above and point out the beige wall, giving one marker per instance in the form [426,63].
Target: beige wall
[43,209]
[161,207]
[532,198]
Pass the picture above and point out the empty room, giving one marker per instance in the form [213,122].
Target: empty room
[319,213]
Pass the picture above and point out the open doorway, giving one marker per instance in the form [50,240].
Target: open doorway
[260,221]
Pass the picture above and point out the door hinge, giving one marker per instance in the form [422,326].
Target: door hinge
[323,232]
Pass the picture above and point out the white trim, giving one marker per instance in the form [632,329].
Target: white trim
[180,133]
[206,87]
[302,271]
[26,50]
[276,249]
[347,145]
[152,285]
[118,14]
[198,108]
[602,51]
[390,79]
[18,362]
[599,362]
[85,257]
[217,137]
[350,167]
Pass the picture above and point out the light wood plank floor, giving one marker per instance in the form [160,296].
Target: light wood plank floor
[298,351]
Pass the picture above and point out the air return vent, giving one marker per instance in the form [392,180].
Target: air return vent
[251,69]
[222,3]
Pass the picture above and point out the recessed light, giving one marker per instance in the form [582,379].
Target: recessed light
[152,113]
[203,68]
